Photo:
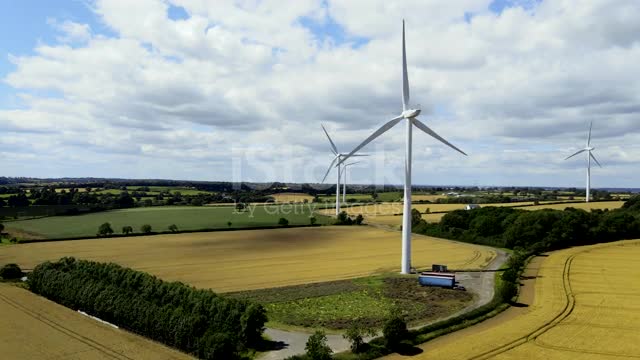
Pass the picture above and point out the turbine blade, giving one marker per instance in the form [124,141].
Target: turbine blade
[377,133]
[579,152]
[589,138]
[353,163]
[420,125]
[329,169]
[405,76]
[360,155]
[594,158]
[333,146]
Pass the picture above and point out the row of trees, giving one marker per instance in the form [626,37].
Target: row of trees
[105,229]
[196,321]
[540,230]
[345,219]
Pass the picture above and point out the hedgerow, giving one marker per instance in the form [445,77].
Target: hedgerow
[196,321]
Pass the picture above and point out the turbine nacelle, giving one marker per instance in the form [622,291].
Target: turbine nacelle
[589,148]
[410,113]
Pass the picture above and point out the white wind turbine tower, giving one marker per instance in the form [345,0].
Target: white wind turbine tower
[590,156]
[344,183]
[338,157]
[410,116]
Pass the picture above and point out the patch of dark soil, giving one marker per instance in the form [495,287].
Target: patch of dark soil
[297,292]
[409,289]
[337,324]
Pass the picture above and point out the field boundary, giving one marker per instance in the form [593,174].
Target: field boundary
[270,227]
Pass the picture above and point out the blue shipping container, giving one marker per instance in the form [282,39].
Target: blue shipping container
[427,280]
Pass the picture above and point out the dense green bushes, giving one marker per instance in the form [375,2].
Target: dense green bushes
[10,272]
[196,321]
[344,219]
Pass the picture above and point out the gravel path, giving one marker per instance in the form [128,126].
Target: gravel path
[480,283]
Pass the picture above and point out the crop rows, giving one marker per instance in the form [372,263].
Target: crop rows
[587,306]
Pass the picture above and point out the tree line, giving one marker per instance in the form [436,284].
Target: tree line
[537,231]
[199,322]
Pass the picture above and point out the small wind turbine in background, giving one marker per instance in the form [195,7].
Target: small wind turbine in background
[410,116]
[344,184]
[337,158]
[590,156]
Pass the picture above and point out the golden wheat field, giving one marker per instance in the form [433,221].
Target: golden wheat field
[291,197]
[600,205]
[253,259]
[587,306]
[423,197]
[33,327]
[390,208]
[388,213]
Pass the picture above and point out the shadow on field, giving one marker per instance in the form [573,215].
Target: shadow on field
[408,350]
[270,345]
[517,304]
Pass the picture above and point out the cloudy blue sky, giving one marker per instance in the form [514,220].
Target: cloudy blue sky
[237,90]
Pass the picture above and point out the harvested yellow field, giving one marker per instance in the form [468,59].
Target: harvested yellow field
[393,208]
[253,259]
[587,306]
[291,197]
[420,197]
[396,220]
[396,208]
[388,213]
[601,205]
[33,327]
[572,198]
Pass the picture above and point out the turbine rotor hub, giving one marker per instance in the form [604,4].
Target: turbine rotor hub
[410,113]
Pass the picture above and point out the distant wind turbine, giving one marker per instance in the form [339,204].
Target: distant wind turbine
[337,158]
[344,184]
[590,156]
[410,116]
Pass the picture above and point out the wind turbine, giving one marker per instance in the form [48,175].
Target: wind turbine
[590,156]
[344,184]
[338,157]
[410,116]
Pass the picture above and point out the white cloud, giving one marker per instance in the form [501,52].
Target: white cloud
[72,32]
[246,80]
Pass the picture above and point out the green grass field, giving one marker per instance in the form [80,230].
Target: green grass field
[185,217]
[370,301]
[154,190]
